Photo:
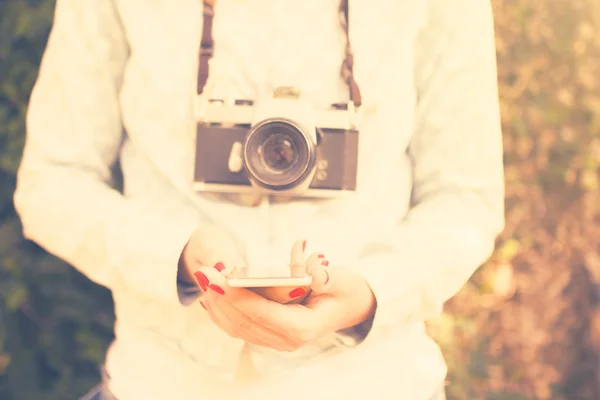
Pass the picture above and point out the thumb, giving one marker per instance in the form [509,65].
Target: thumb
[211,246]
[326,280]
[223,260]
[297,264]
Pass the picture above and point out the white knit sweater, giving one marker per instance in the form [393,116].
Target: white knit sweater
[118,82]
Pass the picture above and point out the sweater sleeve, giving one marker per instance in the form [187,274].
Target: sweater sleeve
[458,184]
[74,135]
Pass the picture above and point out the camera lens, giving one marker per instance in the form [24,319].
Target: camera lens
[278,152]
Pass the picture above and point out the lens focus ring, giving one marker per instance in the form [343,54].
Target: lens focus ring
[278,154]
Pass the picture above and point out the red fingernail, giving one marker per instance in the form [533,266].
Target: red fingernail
[203,287]
[321,256]
[201,278]
[203,306]
[219,266]
[304,245]
[297,293]
[324,263]
[216,288]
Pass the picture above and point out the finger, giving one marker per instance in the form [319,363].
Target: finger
[324,278]
[290,295]
[226,265]
[211,314]
[285,319]
[316,269]
[217,317]
[236,322]
[211,246]
[224,268]
[239,325]
[283,295]
[313,257]
[234,265]
[212,278]
[221,319]
[297,264]
[224,322]
[219,266]
[299,294]
[314,262]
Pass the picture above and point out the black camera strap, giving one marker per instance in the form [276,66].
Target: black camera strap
[207,47]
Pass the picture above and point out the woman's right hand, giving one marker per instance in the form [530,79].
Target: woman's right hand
[208,246]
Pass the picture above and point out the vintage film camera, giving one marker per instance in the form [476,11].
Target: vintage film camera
[278,145]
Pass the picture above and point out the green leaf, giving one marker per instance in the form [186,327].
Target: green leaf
[16,296]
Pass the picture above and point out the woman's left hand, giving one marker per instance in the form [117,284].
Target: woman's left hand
[339,298]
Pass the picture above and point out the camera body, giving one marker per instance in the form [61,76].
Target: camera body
[279,145]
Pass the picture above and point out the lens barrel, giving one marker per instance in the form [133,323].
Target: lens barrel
[278,154]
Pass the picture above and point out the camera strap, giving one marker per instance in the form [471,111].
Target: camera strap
[207,47]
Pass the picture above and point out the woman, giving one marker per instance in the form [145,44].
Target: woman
[118,83]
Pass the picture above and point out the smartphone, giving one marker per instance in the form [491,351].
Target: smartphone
[244,279]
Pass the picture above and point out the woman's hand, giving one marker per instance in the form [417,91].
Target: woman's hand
[211,246]
[340,298]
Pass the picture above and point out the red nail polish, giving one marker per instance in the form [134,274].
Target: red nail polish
[297,293]
[201,278]
[203,287]
[325,263]
[219,266]
[216,288]
[203,306]
[304,245]
[321,256]
[327,279]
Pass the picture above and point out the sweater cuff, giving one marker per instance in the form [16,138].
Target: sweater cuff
[398,294]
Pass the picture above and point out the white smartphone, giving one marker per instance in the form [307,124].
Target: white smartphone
[242,278]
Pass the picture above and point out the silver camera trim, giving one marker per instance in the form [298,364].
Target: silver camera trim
[236,189]
[217,109]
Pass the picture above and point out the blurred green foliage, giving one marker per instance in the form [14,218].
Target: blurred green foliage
[526,326]
[55,325]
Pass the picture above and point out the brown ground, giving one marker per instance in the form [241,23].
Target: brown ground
[527,326]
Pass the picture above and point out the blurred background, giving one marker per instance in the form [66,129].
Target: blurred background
[527,325]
